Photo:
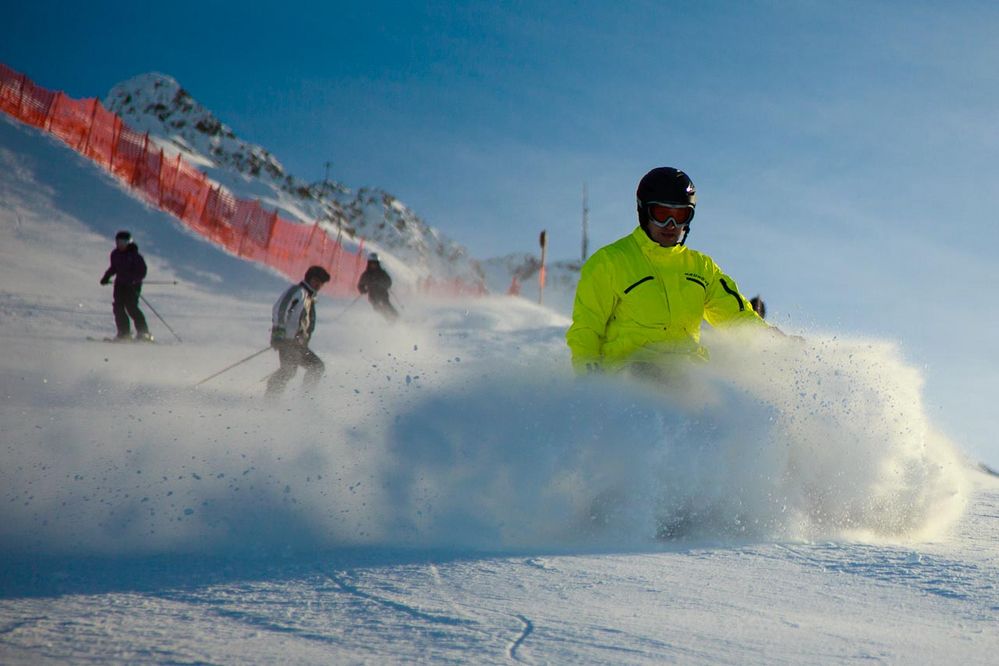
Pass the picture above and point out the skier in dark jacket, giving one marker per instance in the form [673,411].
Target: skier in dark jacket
[375,282]
[129,270]
[292,324]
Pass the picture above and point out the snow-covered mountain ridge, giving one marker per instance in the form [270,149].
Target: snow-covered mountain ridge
[412,249]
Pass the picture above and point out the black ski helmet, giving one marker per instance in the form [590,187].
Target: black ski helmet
[123,235]
[317,272]
[665,185]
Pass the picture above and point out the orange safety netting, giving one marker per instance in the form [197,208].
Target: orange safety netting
[241,226]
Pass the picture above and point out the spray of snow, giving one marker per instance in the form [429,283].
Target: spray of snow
[773,440]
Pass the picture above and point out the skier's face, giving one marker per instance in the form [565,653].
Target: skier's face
[121,243]
[667,222]
[316,283]
[667,236]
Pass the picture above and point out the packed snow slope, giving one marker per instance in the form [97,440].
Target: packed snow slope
[450,492]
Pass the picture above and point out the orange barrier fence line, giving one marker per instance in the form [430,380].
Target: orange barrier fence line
[243,227]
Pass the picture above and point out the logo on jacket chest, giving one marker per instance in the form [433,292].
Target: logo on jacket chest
[695,277]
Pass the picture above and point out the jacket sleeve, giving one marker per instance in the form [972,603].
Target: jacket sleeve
[592,309]
[280,315]
[724,305]
[140,268]
[111,269]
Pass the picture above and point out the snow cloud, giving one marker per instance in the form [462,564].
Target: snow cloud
[774,440]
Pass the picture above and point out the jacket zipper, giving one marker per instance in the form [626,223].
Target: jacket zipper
[655,270]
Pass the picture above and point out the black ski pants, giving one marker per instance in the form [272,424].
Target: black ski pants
[294,355]
[126,304]
[379,300]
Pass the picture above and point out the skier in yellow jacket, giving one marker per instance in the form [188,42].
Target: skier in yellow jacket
[640,300]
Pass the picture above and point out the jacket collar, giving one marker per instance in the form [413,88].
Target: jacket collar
[652,249]
[305,285]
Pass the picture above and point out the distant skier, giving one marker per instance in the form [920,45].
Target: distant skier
[129,269]
[375,282]
[759,307]
[293,321]
[640,300]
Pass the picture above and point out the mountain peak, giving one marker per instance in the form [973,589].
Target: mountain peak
[157,104]
[161,96]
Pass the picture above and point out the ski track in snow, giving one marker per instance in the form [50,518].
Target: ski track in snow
[341,580]
[515,645]
[478,622]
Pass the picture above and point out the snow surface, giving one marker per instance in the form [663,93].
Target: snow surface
[450,493]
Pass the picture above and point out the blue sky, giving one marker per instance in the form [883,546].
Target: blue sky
[488,117]
[844,152]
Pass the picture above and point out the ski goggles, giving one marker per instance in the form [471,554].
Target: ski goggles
[662,214]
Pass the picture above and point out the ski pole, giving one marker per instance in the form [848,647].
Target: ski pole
[230,367]
[159,282]
[344,311]
[150,306]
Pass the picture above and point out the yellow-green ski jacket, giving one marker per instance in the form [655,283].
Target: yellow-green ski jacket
[639,302]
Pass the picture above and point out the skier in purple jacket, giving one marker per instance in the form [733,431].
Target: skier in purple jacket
[129,270]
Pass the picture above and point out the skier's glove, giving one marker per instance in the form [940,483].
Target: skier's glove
[277,337]
[105,280]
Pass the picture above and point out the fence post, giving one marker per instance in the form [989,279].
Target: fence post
[206,212]
[49,112]
[138,163]
[159,182]
[168,179]
[20,97]
[243,227]
[115,135]
[270,232]
[204,191]
[90,129]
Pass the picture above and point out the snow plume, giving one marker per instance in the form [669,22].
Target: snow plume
[775,439]
[857,454]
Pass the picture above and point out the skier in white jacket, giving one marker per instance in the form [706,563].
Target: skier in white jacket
[293,320]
